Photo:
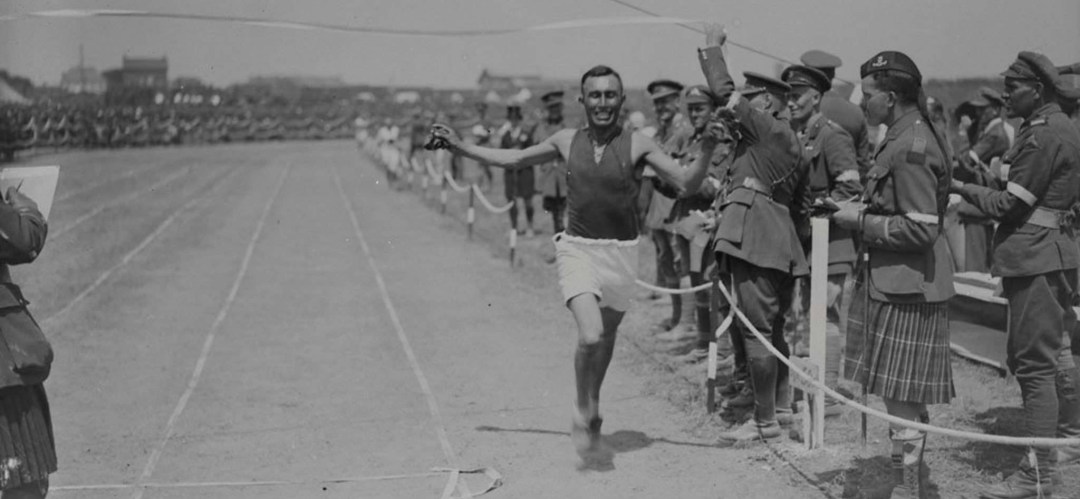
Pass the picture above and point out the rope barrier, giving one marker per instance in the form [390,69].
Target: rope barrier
[340,28]
[967,435]
[673,291]
[487,204]
[454,185]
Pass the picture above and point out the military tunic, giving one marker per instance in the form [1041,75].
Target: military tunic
[848,115]
[1036,257]
[903,353]
[833,173]
[756,240]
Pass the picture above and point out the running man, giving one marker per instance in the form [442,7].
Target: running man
[597,254]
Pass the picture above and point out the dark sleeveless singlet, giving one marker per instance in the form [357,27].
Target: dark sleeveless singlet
[602,198]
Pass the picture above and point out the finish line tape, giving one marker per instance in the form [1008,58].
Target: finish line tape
[342,28]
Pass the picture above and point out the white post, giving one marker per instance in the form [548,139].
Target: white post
[819,289]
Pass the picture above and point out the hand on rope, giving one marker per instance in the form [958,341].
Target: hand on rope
[967,435]
[487,204]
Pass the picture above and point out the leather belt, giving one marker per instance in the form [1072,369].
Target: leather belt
[1045,217]
[756,185]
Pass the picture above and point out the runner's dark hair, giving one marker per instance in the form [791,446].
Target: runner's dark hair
[597,71]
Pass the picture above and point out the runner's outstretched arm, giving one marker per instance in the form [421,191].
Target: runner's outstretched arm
[543,152]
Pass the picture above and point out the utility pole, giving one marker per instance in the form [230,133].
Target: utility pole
[82,72]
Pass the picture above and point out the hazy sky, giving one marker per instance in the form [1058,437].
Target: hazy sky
[946,38]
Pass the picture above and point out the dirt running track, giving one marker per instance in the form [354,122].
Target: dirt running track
[233,315]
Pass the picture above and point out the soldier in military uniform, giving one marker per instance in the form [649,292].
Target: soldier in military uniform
[840,110]
[898,327]
[689,224]
[671,127]
[1037,258]
[551,178]
[518,183]
[833,173]
[766,171]
[976,165]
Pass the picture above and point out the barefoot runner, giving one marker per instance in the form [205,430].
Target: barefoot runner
[597,254]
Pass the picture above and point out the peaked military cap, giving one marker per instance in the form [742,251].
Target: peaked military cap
[757,83]
[806,76]
[890,60]
[987,96]
[699,94]
[552,97]
[820,59]
[1033,66]
[662,88]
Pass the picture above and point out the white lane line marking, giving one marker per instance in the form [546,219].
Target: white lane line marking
[131,254]
[253,483]
[433,406]
[170,426]
[87,188]
[101,207]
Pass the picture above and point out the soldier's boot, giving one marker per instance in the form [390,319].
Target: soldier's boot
[784,397]
[763,426]
[907,460]
[676,314]
[744,398]
[1068,393]
[1029,482]
[705,336]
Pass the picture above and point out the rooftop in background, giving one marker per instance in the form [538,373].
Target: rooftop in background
[145,63]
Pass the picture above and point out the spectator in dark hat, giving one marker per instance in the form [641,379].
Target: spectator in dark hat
[834,174]
[839,109]
[1036,257]
[518,184]
[691,237]
[671,126]
[977,164]
[898,324]
[551,178]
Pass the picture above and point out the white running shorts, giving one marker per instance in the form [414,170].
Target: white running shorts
[606,268]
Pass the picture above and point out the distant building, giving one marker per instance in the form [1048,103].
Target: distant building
[139,72]
[79,80]
[138,81]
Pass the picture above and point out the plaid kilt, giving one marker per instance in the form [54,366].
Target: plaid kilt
[27,449]
[903,353]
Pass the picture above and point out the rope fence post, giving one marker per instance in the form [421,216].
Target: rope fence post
[513,245]
[442,194]
[470,215]
[819,291]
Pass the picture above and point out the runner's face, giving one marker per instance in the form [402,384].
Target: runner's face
[602,97]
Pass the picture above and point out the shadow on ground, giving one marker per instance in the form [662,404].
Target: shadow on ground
[995,458]
[603,459]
